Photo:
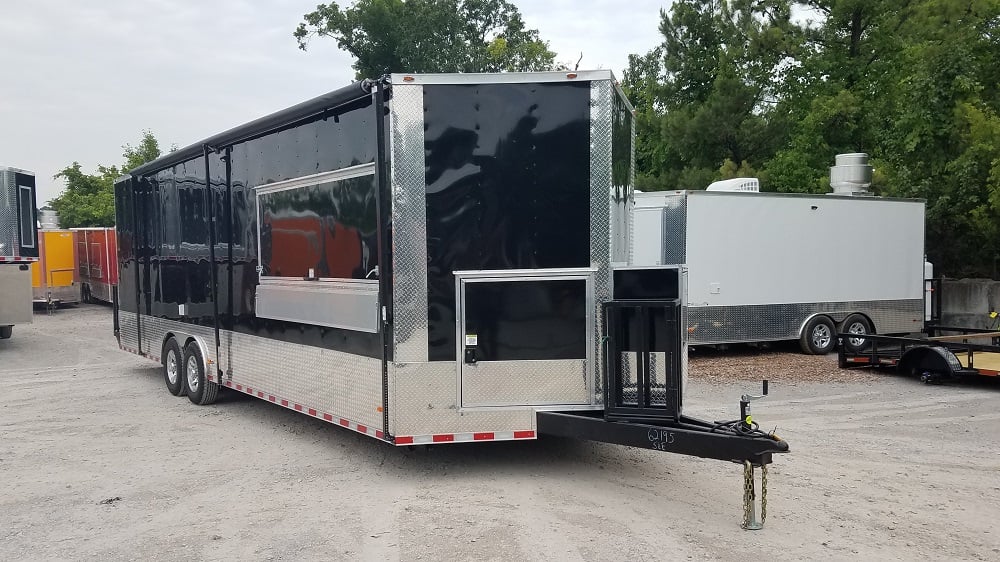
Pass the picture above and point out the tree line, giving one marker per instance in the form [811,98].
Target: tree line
[772,89]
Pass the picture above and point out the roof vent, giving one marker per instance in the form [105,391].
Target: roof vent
[852,175]
[745,185]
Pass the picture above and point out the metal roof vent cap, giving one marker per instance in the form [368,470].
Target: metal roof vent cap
[851,175]
[739,185]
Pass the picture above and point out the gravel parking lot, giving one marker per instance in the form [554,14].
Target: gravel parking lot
[98,460]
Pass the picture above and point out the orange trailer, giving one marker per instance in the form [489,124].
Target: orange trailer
[54,278]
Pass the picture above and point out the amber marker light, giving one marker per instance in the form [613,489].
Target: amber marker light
[408,79]
[571,75]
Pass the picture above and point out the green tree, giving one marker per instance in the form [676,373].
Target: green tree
[706,94]
[89,199]
[147,150]
[429,36]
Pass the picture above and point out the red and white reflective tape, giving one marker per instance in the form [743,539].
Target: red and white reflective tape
[343,422]
[463,437]
[16,259]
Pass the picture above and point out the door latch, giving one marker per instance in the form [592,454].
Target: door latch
[470,356]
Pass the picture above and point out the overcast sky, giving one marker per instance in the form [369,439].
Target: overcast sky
[81,78]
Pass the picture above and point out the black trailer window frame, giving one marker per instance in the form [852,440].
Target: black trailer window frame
[314,182]
[26,213]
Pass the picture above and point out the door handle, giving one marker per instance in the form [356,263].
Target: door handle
[470,356]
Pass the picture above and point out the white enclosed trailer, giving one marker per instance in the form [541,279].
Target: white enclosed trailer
[18,247]
[769,266]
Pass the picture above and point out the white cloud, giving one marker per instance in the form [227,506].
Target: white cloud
[82,78]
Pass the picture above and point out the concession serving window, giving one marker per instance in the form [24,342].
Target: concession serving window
[318,249]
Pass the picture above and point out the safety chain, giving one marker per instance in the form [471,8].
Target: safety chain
[763,494]
[750,522]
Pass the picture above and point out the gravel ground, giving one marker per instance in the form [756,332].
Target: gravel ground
[97,460]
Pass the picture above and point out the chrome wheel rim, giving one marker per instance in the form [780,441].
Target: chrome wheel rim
[192,373]
[857,328]
[172,370]
[821,336]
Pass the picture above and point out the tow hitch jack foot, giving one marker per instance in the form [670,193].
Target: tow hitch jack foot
[750,521]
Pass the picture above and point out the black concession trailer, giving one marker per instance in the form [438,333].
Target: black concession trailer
[421,259]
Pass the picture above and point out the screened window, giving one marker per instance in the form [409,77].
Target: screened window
[320,227]
[27,210]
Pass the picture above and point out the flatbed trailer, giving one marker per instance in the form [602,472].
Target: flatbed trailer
[422,259]
[932,358]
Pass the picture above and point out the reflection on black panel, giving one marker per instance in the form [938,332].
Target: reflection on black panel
[526,320]
[646,284]
[508,186]
[328,228]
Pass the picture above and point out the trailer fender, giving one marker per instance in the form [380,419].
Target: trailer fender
[183,340]
[929,359]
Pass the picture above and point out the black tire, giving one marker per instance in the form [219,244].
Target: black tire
[6,332]
[819,337]
[856,324]
[172,361]
[200,390]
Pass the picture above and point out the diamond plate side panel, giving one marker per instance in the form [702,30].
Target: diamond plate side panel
[772,322]
[128,329]
[510,383]
[424,401]
[342,384]
[9,242]
[155,330]
[409,224]
[601,202]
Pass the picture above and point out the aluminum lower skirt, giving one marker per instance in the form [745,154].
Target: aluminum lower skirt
[774,322]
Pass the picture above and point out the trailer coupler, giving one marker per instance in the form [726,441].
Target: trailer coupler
[728,441]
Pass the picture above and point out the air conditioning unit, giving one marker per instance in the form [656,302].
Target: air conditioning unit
[746,185]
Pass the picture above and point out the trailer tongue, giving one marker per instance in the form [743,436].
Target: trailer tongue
[643,383]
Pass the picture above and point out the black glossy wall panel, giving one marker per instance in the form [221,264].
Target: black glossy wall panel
[527,320]
[508,186]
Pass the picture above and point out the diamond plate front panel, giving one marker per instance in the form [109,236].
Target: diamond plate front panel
[628,364]
[602,198]
[772,322]
[512,383]
[409,224]
[425,401]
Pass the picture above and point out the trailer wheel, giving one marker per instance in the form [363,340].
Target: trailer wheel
[173,368]
[819,336]
[856,324]
[200,390]
[6,332]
